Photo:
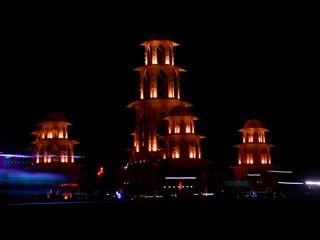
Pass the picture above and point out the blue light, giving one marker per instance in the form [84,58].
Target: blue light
[31,156]
[118,194]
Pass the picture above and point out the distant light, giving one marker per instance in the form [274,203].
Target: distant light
[118,194]
[253,174]
[31,156]
[275,171]
[312,183]
[291,183]
[68,184]
[208,194]
[178,178]
[15,155]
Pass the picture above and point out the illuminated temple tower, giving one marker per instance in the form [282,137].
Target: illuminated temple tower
[254,159]
[159,95]
[52,142]
[164,126]
[54,153]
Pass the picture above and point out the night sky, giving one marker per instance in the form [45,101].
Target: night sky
[242,63]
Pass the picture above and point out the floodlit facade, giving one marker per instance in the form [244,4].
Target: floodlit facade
[165,143]
[52,141]
[254,159]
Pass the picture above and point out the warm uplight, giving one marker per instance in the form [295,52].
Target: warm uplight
[188,129]
[154,143]
[49,135]
[177,129]
[175,154]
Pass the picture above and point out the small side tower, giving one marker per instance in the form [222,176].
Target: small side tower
[52,143]
[254,149]
[254,159]
[181,140]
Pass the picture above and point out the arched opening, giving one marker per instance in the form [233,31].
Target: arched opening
[162,84]
[182,127]
[198,153]
[170,55]
[143,131]
[255,137]
[244,156]
[162,126]
[168,148]
[161,54]
[149,55]
[246,137]
[184,149]
[257,155]
[146,88]
[54,153]
[176,85]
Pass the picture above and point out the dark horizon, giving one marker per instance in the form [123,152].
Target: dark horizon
[80,62]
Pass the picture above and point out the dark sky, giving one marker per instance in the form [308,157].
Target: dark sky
[259,62]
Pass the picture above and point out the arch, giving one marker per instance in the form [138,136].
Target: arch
[197,148]
[246,137]
[244,156]
[184,149]
[162,84]
[170,54]
[161,54]
[176,84]
[54,151]
[143,131]
[149,55]
[162,125]
[182,127]
[255,137]
[168,147]
[146,85]
[257,155]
